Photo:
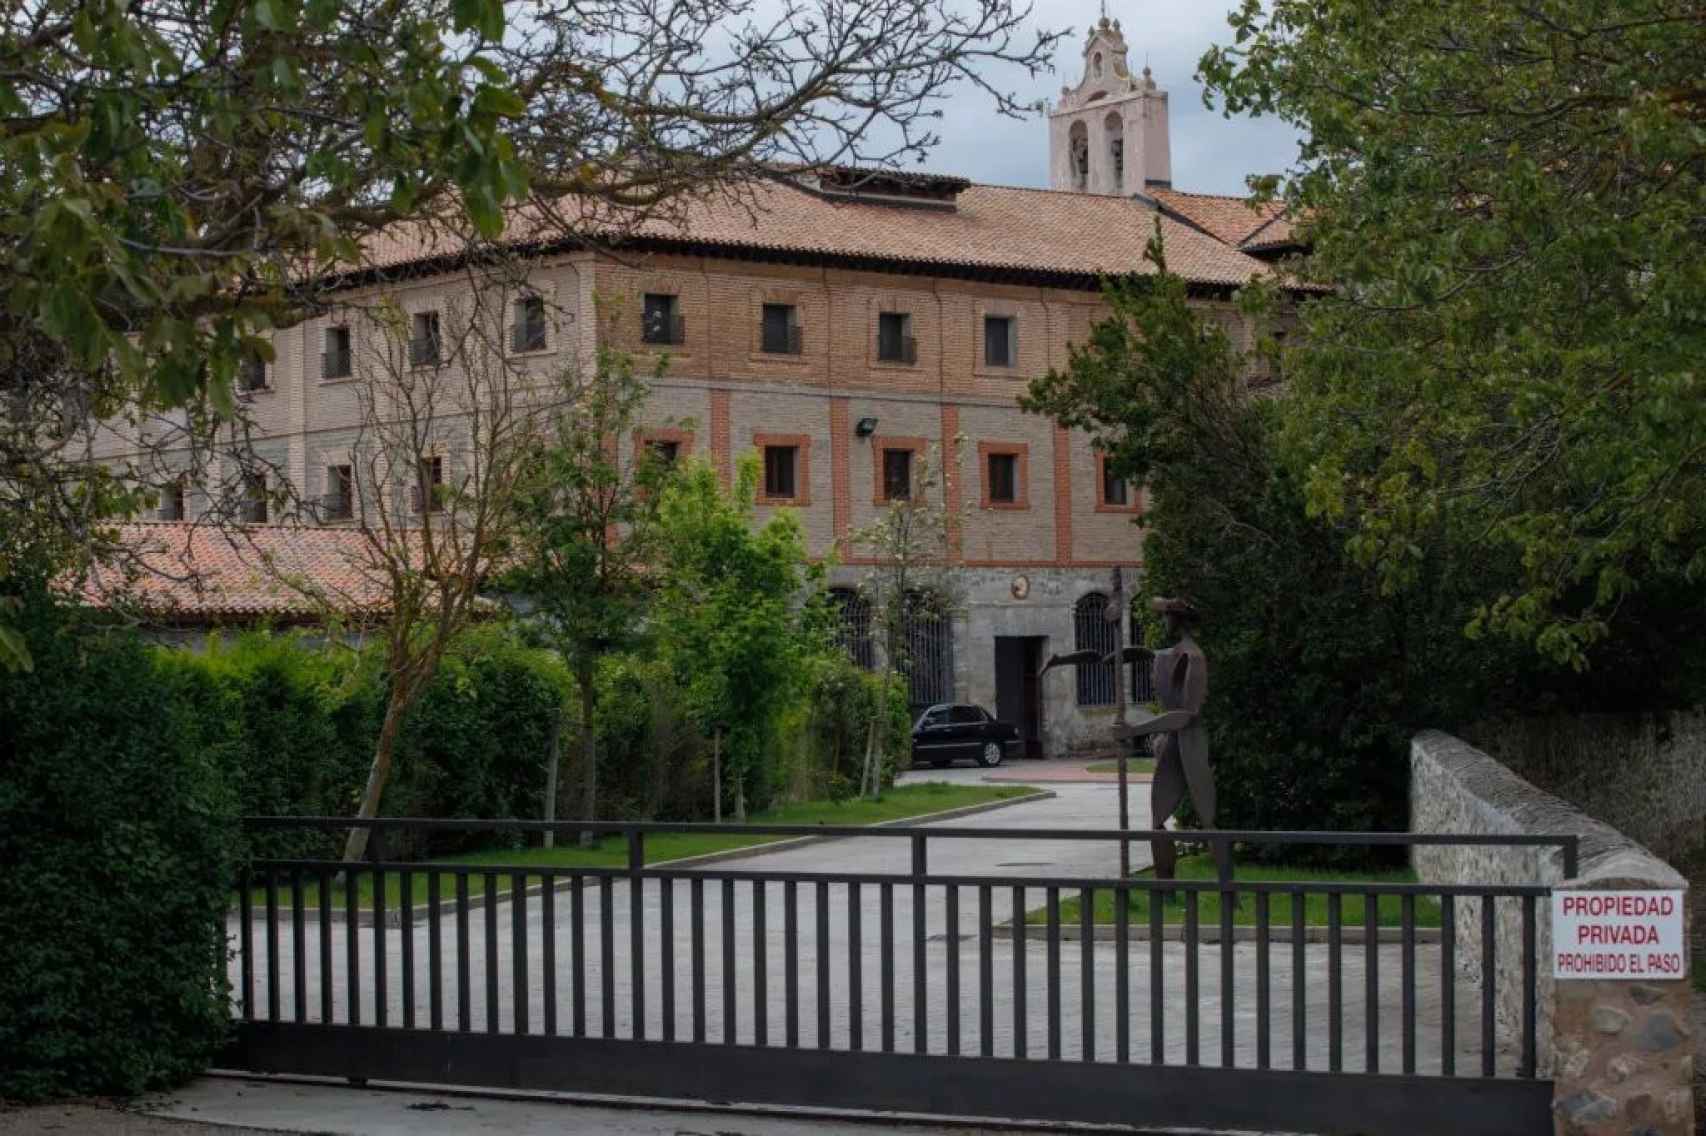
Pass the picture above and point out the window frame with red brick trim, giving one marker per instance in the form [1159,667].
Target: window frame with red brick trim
[1021,453]
[1134,493]
[880,446]
[801,444]
[651,435]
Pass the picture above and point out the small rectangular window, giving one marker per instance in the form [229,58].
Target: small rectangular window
[252,376]
[1114,491]
[661,320]
[895,343]
[665,453]
[429,482]
[255,499]
[1003,476]
[424,342]
[780,469]
[780,330]
[998,341]
[897,475]
[335,361]
[172,502]
[528,334]
[339,501]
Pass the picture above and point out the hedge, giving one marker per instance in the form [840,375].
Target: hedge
[118,835]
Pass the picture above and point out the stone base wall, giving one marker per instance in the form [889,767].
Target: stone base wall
[1621,1053]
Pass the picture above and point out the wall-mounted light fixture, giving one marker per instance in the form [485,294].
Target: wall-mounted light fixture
[865,427]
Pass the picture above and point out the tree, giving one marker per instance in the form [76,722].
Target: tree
[1508,200]
[179,179]
[586,535]
[448,426]
[912,541]
[728,616]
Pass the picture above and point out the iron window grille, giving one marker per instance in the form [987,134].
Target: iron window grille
[528,333]
[928,633]
[661,322]
[780,330]
[1092,631]
[853,627]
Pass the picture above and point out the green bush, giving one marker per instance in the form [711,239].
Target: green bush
[118,836]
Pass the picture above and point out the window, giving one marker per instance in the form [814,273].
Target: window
[528,334]
[172,502]
[1114,130]
[335,361]
[897,475]
[894,338]
[780,467]
[1003,474]
[424,342]
[1078,150]
[780,330]
[965,715]
[252,374]
[665,452]
[661,320]
[999,341]
[338,504]
[429,482]
[1092,631]
[255,499]
[853,628]
[928,638]
[1114,489]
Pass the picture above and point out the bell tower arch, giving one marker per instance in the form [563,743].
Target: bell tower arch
[1108,134]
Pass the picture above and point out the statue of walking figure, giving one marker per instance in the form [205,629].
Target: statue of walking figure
[1181,752]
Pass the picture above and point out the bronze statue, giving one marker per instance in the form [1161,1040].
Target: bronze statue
[1181,752]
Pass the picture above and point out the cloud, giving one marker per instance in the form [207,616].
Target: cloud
[1211,153]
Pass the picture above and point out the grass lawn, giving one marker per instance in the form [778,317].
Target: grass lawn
[1134,766]
[1388,907]
[898,803]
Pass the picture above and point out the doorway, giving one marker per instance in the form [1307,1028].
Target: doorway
[1018,690]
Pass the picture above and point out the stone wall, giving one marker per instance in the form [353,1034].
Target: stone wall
[1619,1052]
[1643,774]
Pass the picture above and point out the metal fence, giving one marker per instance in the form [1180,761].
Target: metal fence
[1207,1002]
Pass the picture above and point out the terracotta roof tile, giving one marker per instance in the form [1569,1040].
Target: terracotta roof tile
[1232,220]
[989,228]
[192,572]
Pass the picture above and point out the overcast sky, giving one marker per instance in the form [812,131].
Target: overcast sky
[1211,153]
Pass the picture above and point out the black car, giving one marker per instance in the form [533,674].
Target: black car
[951,731]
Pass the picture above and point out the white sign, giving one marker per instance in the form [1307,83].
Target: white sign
[1617,934]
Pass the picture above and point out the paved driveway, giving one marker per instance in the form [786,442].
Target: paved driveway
[870,993]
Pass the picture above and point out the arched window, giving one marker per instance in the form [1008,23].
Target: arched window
[929,642]
[1079,139]
[1114,130]
[853,626]
[1092,631]
[1096,64]
[1142,675]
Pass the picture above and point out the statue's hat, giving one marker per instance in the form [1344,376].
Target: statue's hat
[1174,605]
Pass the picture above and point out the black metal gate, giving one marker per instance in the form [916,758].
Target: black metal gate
[1318,1006]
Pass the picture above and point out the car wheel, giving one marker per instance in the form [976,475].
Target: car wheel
[991,754]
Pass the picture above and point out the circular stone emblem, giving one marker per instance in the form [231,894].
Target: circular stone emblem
[1021,587]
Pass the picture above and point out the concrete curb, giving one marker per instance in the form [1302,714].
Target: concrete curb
[364,916]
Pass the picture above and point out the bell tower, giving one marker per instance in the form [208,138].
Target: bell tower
[1109,133]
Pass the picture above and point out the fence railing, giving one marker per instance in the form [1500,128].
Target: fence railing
[903,960]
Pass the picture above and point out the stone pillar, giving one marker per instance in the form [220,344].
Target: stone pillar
[1623,1054]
